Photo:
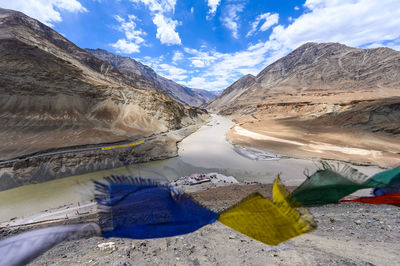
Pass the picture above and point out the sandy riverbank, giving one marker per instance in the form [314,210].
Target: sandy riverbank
[208,147]
[358,147]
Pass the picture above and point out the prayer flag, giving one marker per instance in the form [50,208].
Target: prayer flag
[269,222]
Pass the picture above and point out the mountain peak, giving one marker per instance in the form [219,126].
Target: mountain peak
[306,55]
[233,91]
[127,64]
[321,45]
[9,12]
[10,18]
[328,68]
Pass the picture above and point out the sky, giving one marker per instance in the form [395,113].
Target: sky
[209,44]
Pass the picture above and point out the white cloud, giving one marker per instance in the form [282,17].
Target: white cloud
[269,21]
[126,47]
[172,72]
[165,70]
[46,11]
[231,18]
[374,45]
[129,28]
[152,62]
[206,83]
[166,30]
[213,5]
[192,10]
[214,70]
[133,37]
[352,22]
[221,69]
[198,63]
[158,6]
[202,59]
[312,4]
[178,56]
[196,82]
[296,8]
[395,45]
[165,25]
[253,58]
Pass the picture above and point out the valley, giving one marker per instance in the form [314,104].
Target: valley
[323,101]
[70,116]
[193,155]
[57,96]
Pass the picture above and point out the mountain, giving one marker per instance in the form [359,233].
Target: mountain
[55,94]
[325,73]
[207,95]
[218,92]
[323,100]
[233,91]
[130,66]
[315,70]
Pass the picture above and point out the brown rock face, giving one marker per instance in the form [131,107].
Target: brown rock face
[54,94]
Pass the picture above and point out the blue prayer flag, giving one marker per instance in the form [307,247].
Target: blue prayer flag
[140,208]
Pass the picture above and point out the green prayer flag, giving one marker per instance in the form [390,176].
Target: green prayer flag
[332,183]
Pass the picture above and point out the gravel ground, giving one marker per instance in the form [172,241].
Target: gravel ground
[348,234]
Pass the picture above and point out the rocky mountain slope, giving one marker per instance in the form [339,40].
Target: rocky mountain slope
[207,95]
[325,97]
[233,91]
[322,78]
[130,67]
[319,68]
[54,94]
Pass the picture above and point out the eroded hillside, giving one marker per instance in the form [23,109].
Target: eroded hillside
[321,94]
[55,94]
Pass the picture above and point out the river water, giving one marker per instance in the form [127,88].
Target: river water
[204,151]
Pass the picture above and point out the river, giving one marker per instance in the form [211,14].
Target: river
[204,151]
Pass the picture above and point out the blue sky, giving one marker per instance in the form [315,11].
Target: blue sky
[209,44]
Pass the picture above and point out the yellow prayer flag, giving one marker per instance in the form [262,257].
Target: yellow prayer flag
[269,222]
[122,146]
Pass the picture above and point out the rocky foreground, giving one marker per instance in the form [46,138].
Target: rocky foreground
[347,234]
